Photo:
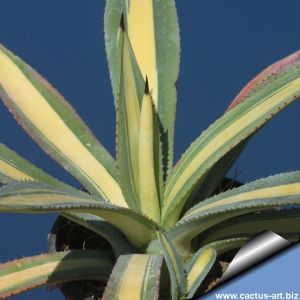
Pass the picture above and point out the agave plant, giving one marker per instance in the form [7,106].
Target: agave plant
[163,222]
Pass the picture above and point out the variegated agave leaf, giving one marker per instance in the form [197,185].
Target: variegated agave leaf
[166,226]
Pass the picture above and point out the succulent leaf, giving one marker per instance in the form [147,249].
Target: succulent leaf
[16,168]
[197,269]
[35,197]
[153,31]
[24,274]
[135,277]
[128,104]
[9,171]
[229,131]
[266,77]
[283,222]
[175,266]
[35,104]
[149,198]
[144,207]
[213,180]
[223,246]
[275,192]
[114,236]
[159,157]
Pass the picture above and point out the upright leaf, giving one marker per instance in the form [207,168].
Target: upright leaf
[128,105]
[35,104]
[228,132]
[31,272]
[149,200]
[154,35]
[135,277]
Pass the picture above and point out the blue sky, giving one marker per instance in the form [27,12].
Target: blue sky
[224,44]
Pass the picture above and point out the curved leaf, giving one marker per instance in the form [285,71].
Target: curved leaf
[135,277]
[15,168]
[283,222]
[264,78]
[27,273]
[197,269]
[54,124]
[223,246]
[279,191]
[200,264]
[35,197]
[114,236]
[175,266]
[228,132]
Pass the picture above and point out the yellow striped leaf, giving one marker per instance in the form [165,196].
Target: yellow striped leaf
[213,182]
[128,105]
[20,169]
[275,192]
[201,263]
[31,272]
[283,222]
[154,35]
[197,269]
[231,130]
[174,264]
[149,200]
[36,197]
[135,277]
[36,105]
[16,168]
[223,246]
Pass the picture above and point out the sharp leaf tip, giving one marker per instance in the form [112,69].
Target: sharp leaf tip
[122,22]
[146,86]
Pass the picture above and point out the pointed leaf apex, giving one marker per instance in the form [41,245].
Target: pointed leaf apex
[146,86]
[122,22]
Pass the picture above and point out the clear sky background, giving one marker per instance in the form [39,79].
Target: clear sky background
[224,44]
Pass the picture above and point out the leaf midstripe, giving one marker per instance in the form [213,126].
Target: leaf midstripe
[23,274]
[279,191]
[149,198]
[198,268]
[35,197]
[154,35]
[283,222]
[67,140]
[227,132]
[128,119]
[16,168]
[135,277]
[174,264]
